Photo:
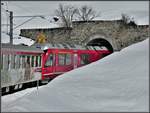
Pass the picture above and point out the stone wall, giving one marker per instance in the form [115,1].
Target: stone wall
[115,32]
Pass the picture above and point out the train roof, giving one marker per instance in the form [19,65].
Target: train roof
[46,46]
[22,48]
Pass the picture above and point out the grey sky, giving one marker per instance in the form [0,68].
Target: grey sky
[107,9]
[48,7]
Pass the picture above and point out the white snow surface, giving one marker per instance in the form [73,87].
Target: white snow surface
[16,39]
[118,82]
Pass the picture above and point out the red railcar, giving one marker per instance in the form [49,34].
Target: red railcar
[58,60]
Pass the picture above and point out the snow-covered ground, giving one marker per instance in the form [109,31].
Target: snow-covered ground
[17,39]
[118,82]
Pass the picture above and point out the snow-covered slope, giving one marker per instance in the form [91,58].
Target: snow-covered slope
[119,82]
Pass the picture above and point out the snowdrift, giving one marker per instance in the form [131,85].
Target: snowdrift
[118,82]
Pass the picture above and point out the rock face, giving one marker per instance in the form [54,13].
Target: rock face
[115,33]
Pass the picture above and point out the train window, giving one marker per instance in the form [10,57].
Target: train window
[49,61]
[9,61]
[17,62]
[1,61]
[40,61]
[12,61]
[28,61]
[61,58]
[6,62]
[23,61]
[4,59]
[20,58]
[36,61]
[32,61]
[68,59]
[64,59]
[85,59]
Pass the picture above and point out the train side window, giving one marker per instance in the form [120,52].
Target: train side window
[36,61]
[6,62]
[61,59]
[9,61]
[64,59]
[23,61]
[49,61]
[28,61]
[12,61]
[4,59]
[32,61]
[85,59]
[39,61]
[17,66]
[68,59]
[1,61]
[20,58]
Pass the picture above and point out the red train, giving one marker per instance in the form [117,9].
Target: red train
[58,60]
[24,65]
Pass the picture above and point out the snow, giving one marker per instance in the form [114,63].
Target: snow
[16,39]
[118,82]
[140,17]
[18,95]
[35,23]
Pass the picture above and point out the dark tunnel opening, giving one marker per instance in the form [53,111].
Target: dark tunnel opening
[101,42]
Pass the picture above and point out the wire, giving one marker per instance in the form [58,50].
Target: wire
[24,9]
[23,23]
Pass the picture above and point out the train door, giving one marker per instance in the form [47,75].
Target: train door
[48,65]
[84,58]
[64,62]
[75,60]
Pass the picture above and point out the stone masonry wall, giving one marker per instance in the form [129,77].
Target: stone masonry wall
[118,34]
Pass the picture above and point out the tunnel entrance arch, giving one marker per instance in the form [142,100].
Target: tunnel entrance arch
[101,42]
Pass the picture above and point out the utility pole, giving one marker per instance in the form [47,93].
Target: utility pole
[11,27]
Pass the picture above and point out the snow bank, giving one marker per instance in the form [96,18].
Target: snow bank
[16,39]
[119,82]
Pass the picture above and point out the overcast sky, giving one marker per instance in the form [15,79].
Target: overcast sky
[107,9]
[48,7]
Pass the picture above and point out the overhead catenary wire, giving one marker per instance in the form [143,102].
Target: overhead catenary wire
[28,17]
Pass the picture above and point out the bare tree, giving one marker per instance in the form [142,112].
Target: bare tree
[66,14]
[86,13]
[128,20]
